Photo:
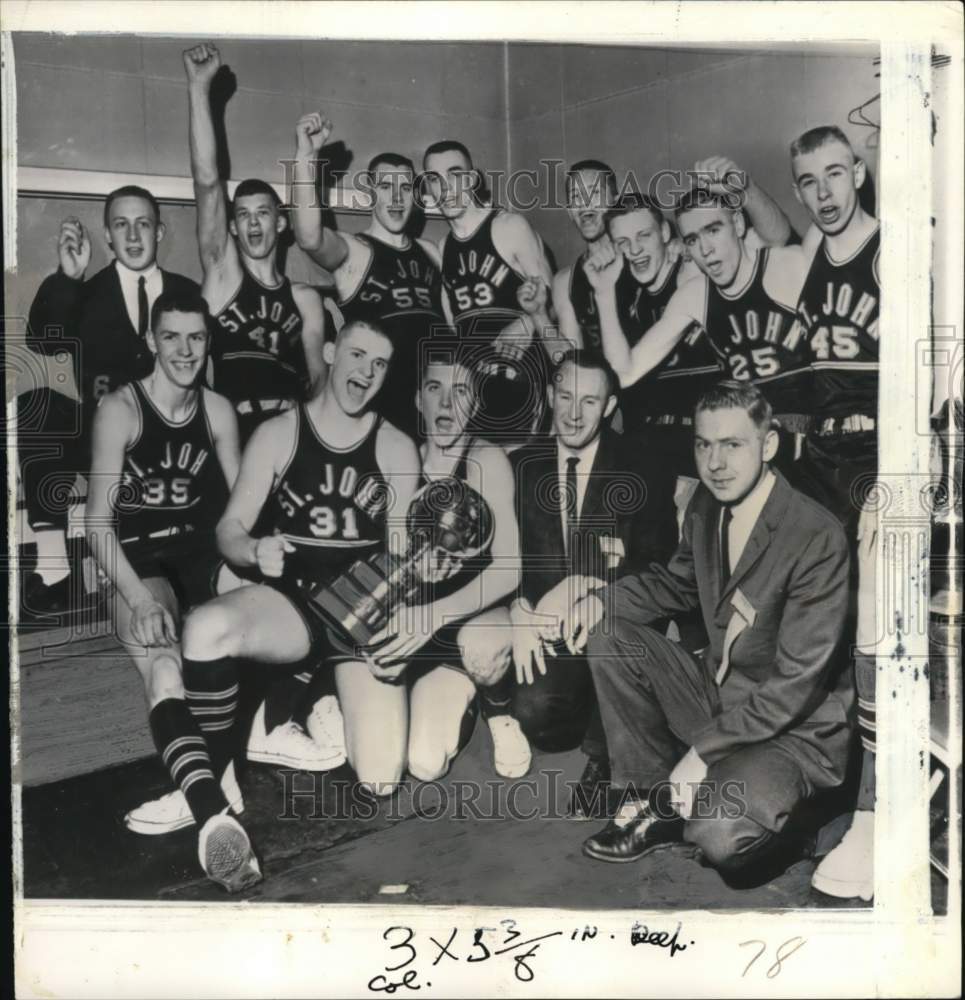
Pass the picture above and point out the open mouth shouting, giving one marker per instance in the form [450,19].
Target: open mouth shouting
[357,388]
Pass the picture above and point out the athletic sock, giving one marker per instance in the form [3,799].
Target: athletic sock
[497,698]
[864,669]
[53,563]
[185,754]
[284,698]
[211,692]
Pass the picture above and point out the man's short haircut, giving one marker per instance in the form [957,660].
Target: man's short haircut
[251,186]
[446,146]
[130,191]
[814,138]
[182,302]
[744,396]
[587,358]
[592,166]
[390,160]
[451,350]
[363,324]
[698,197]
[633,201]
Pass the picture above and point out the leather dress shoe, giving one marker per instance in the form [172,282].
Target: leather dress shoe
[592,797]
[644,833]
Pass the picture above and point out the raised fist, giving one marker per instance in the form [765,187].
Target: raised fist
[603,267]
[270,554]
[720,175]
[73,248]
[201,63]
[311,133]
[532,295]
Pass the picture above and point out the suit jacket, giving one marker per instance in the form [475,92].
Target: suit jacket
[626,520]
[789,593]
[90,321]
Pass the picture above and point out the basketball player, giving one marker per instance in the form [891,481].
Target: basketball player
[745,302]
[839,309]
[458,642]
[488,255]
[381,274]
[164,450]
[268,332]
[333,477]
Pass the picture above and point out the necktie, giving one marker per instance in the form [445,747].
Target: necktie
[141,306]
[726,517]
[570,500]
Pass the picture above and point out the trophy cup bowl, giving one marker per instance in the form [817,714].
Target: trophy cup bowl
[446,518]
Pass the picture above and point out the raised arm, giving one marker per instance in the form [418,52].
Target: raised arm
[201,64]
[721,175]
[56,304]
[325,246]
[568,324]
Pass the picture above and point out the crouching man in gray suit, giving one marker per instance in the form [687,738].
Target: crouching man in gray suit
[718,748]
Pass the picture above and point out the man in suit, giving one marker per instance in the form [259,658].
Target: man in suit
[102,322]
[719,749]
[594,506]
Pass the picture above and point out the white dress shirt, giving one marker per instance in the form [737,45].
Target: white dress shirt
[153,285]
[744,516]
[585,459]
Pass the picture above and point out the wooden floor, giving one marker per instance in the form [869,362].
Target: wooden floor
[75,845]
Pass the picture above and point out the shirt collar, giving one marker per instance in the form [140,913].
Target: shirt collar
[129,277]
[749,509]
[586,455]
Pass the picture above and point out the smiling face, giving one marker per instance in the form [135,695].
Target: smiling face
[133,232]
[588,196]
[642,239]
[358,362]
[713,235]
[731,452]
[392,194]
[256,223]
[451,181]
[180,346]
[826,182]
[447,401]
[580,403]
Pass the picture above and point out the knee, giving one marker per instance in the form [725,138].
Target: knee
[380,782]
[486,652]
[428,761]
[726,844]
[210,632]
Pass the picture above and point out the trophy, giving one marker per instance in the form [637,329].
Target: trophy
[447,522]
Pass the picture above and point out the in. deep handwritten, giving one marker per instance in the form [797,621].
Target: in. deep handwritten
[641,934]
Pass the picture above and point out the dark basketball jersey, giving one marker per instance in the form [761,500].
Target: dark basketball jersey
[330,503]
[583,302]
[402,292]
[481,284]
[256,348]
[839,308]
[760,341]
[172,481]
[675,385]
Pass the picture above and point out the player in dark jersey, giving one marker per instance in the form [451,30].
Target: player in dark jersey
[742,300]
[839,309]
[164,452]
[268,332]
[488,256]
[381,274]
[458,641]
[336,479]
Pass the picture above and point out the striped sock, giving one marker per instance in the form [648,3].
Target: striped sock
[183,750]
[211,691]
[284,698]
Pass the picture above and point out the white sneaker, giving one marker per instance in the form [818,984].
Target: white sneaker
[289,745]
[511,752]
[849,870]
[171,812]
[226,855]
[327,730]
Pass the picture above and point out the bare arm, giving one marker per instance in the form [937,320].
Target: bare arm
[217,250]
[224,429]
[325,246]
[309,304]
[399,461]
[568,324]
[269,447]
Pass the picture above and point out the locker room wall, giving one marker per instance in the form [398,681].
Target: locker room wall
[649,109]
